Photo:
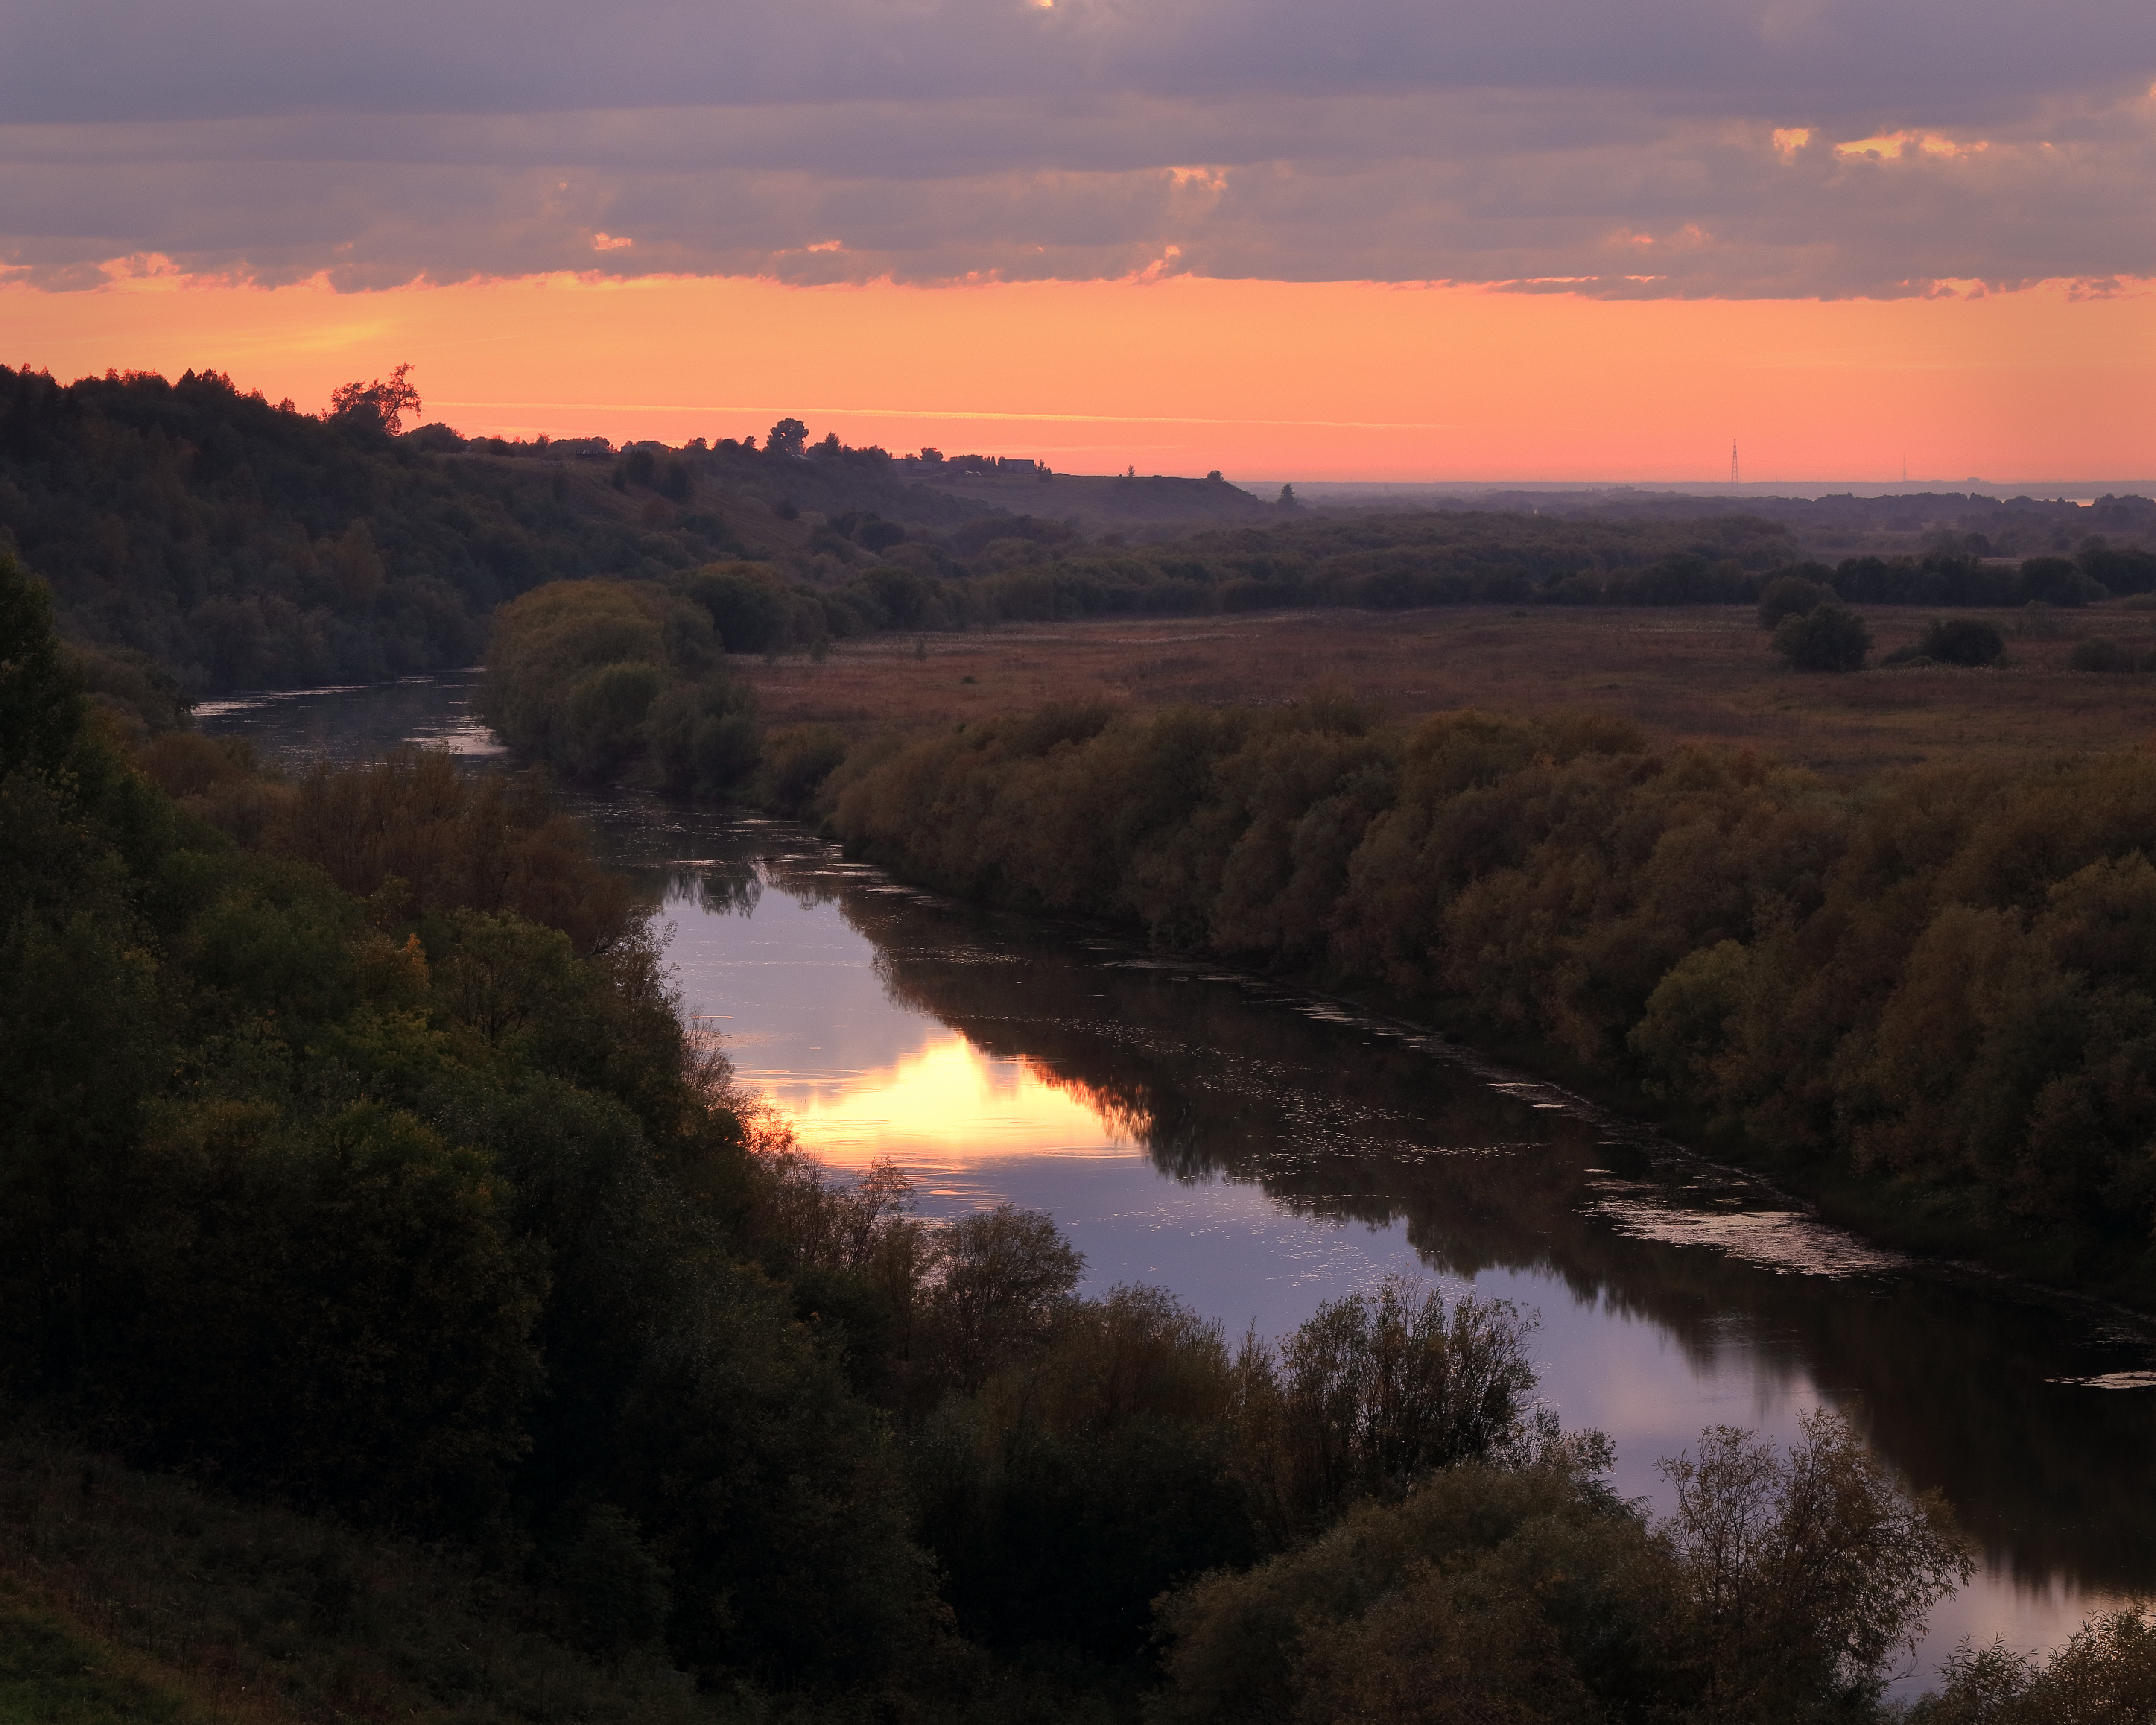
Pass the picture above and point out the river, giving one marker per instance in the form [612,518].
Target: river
[1257,1150]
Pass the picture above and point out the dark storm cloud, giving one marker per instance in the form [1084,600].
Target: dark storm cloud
[1678,146]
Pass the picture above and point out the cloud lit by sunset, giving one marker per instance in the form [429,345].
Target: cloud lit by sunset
[1378,240]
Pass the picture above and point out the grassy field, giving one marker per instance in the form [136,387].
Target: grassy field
[140,1597]
[1702,675]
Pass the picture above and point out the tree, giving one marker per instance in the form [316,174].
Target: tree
[1492,1596]
[382,403]
[1793,595]
[2102,652]
[1002,1277]
[1960,640]
[41,708]
[1530,1592]
[1807,1571]
[1827,638]
[2107,1672]
[790,437]
[1378,1389]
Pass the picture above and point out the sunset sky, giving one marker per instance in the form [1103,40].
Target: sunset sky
[1558,239]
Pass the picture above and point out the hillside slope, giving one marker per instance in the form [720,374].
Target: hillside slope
[128,1596]
[247,545]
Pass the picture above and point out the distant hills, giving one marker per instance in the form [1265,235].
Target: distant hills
[200,539]
[245,545]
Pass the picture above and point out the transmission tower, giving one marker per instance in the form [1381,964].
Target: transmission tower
[1732,463]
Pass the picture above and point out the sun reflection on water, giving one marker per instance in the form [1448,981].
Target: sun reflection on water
[945,1105]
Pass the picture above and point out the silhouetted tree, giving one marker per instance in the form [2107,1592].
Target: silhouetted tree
[382,403]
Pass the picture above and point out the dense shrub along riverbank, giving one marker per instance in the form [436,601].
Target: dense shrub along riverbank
[1936,992]
[605,680]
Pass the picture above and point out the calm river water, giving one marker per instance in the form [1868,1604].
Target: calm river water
[1258,1151]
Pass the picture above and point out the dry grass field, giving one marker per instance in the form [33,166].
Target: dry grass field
[1698,674]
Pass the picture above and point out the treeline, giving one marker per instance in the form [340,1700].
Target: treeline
[1494,561]
[1039,571]
[1939,987]
[240,544]
[1023,570]
[244,544]
[1920,521]
[357,1156]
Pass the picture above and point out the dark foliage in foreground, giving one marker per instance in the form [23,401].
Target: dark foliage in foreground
[409,1205]
[2106,1674]
[1531,1593]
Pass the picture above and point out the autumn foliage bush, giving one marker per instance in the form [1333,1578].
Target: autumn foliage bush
[609,680]
[1946,979]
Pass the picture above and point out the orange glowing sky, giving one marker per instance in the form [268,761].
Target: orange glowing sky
[1264,380]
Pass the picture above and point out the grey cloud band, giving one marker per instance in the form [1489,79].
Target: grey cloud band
[1796,147]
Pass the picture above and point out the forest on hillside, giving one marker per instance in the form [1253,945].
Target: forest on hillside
[235,543]
[199,540]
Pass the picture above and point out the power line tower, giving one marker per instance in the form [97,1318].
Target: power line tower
[1732,464]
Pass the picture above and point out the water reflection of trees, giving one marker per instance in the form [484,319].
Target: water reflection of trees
[1126,1117]
[742,863]
[1945,1375]
[730,886]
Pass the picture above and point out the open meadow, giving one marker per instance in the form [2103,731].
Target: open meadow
[1685,675]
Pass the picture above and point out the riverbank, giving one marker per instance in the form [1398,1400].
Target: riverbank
[1926,1003]
[1903,1216]
[1289,1149]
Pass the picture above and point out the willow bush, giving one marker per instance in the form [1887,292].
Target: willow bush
[1778,1593]
[603,679]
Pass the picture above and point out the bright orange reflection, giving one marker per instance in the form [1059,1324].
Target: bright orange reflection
[948,1105]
